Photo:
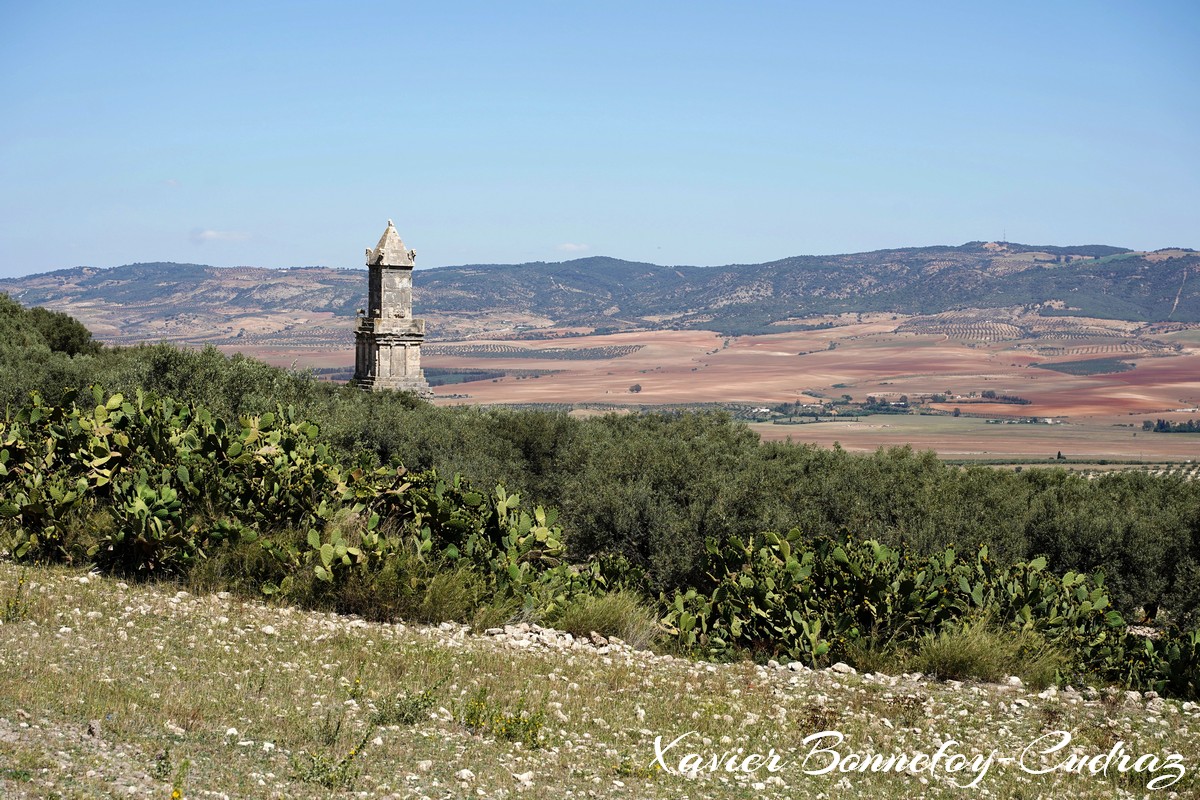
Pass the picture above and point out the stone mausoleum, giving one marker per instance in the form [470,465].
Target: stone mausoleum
[387,342]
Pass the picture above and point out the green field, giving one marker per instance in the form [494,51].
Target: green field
[1091,366]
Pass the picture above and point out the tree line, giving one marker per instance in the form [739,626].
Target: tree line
[1167,426]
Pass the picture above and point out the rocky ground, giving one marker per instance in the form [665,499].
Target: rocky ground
[115,690]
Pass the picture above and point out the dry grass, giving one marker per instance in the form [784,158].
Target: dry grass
[620,614]
[257,699]
[984,652]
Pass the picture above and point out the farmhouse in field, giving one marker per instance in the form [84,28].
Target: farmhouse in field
[387,342]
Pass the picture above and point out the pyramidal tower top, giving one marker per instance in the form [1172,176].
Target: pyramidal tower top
[390,251]
[387,341]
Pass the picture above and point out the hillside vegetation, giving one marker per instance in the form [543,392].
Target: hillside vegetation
[190,464]
[118,689]
[654,486]
[163,300]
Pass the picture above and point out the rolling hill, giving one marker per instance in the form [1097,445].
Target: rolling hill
[192,302]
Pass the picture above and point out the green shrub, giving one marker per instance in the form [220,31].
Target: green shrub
[238,566]
[62,333]
[15,607]
[824,600]
[875,654]
[499,611]
[482,715]
[339,774]
[982,651]
[406,709]
[450,596]
[620,613]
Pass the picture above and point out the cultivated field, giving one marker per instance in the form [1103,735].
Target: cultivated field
[966,438]
[960,355]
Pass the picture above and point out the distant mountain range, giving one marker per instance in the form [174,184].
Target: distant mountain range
[168,301]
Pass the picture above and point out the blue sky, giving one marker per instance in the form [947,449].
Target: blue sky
[680,133]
